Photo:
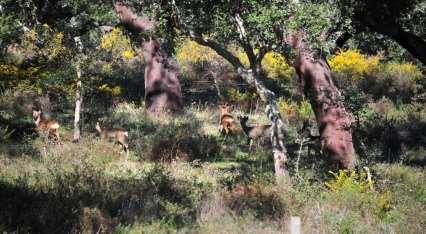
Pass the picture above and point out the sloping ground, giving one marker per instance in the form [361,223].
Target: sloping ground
[194,181]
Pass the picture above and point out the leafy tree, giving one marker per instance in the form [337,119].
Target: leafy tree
[77,21]
[401,20]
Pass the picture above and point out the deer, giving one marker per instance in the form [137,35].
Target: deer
[119,135]
[226,122]
[254,133]
[49,125]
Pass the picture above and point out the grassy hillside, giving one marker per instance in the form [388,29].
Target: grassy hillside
[181,175]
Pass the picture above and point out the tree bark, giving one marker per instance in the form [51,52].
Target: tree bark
[333,121]
[162,87]
[78,102]
[277,137]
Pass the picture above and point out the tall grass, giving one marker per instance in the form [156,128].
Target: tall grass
[181,175]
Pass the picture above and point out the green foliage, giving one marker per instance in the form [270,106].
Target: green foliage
[349,180]
[5,133]
[234,95]
[9,28]
[376,79]
[296,111]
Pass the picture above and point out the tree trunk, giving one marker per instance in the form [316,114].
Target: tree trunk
[277,137]
[162,87]
[333,121]
[78,102]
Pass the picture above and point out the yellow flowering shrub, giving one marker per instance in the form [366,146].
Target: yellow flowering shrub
[8,70]
[107,68]
[55,47]
[287,108]
[349,180]
[356,189]
[294,111]
[53,43]
[13,76]
[354,63]
[191,51]
[128,54]
[408,70]
[113,91]
[241,55]
[118,44]
[275,66]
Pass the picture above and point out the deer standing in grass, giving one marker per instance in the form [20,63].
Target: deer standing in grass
[120,135]
[226,122]
[254,133]
[42,124]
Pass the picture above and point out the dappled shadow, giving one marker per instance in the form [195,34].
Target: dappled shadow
[70,205]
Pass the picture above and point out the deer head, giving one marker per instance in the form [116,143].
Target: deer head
[36,114]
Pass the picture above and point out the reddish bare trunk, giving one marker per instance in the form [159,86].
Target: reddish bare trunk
[162,87]
[333,121]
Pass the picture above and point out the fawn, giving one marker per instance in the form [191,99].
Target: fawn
[226,122]
[120,135]
[254,132]
[42,124]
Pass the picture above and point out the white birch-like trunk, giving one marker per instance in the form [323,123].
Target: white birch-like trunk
[277,137]
[78,102]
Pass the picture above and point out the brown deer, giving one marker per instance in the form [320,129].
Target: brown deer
[226,122]
[42,124]
[254,132]
[120,135]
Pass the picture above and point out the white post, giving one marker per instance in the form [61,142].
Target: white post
[295,224]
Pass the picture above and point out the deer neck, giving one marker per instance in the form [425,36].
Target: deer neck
[245,128]
[98,128]
[224,113]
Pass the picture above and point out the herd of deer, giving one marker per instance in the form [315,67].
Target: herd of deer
[227,125]
[51,126]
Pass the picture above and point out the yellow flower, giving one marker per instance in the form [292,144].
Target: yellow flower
[404,70]
[353,62]
[275,66]
[128,54]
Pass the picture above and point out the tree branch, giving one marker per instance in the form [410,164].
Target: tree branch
[244,41]
[218,48]
[340,42]
[262,52]
[130,19]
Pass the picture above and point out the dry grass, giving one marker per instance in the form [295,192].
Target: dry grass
[93,185]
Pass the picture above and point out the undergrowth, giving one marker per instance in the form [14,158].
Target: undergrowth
[181,175]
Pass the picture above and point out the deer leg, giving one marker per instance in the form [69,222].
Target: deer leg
[125,145]
[251,143]
[57,135]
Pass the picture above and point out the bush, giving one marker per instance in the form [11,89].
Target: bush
[354,64]
[398,81]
